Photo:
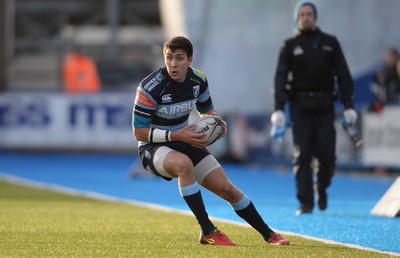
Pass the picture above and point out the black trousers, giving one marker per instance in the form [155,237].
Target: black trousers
[314,136]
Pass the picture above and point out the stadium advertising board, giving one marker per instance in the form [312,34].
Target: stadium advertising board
[59,121]
[381,134]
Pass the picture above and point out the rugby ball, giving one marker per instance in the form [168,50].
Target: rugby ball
[212,126]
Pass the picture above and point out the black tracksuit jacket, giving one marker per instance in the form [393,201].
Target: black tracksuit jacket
[315,61]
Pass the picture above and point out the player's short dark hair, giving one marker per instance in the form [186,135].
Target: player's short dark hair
[179,42]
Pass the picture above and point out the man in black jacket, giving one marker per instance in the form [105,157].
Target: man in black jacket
[309,65]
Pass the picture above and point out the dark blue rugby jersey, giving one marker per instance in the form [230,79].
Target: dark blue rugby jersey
[165,104]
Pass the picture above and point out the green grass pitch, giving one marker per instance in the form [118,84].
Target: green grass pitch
[42,223]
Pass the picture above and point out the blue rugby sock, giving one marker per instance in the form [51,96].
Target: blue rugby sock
[192,195]
[246,210]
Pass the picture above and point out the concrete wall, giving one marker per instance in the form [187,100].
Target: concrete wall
[237,42]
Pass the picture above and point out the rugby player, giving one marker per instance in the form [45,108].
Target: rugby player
[169,149]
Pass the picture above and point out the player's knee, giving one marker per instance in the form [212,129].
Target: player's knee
[183,166]
[303,158]
[231,193]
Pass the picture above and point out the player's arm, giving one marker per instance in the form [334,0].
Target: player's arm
[155,135]
[211,112]
[141,134]
[143,111]
[344,78]
[278,122]
[205,106]
[280,80]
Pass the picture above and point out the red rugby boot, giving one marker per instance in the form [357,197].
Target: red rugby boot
[277,239]
[216,238]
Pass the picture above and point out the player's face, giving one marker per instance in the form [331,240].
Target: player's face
[177,63]
[306,18]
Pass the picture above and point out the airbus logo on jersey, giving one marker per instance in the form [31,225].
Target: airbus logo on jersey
[166,98]
[176,110]
[298,51]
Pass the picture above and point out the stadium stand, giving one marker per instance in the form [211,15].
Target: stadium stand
[43,31]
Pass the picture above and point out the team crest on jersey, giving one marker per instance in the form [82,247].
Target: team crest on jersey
[298,51]
[196,91]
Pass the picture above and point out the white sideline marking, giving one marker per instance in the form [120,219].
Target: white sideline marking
[103,197]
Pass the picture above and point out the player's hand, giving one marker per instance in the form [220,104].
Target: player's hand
[278,128]
[278,132]
[224,124]
[349,117]
[194,139]
[225,131]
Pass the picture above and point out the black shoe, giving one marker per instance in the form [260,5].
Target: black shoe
[303,210]
[322,200]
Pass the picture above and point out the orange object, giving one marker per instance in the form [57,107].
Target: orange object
[80,74]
